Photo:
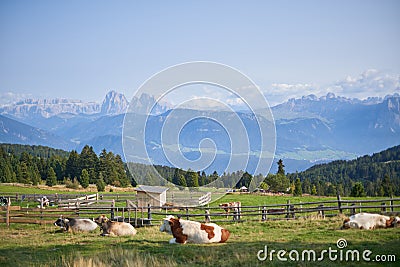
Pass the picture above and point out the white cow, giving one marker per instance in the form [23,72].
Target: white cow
[370,221]
[114,228]
[75,224]
[185,231]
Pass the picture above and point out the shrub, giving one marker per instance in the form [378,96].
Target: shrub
[72,184]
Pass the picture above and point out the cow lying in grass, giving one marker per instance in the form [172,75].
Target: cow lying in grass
[75,224]
[185,231]
[370,221]
[114,228]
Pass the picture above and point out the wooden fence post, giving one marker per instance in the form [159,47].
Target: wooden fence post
[391,204]
[264,214]
[207,217]
[8,212]
[112,209]
[149,212]
[353,210]
[288,209]
[339,200]
[383,208]
[187,213]
[321,211]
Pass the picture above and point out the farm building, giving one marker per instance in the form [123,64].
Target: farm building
[153,195]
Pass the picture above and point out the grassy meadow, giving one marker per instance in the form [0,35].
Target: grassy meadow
[46,245]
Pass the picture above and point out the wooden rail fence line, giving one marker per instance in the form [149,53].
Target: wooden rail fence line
[150,215]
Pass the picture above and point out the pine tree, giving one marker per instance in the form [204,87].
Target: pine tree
[100,184]
[51,178]
[203,179]
[297,188]
[387,186]
[88,160]
[84,181]
[72,168]
[22,173]
[181,181]
[357,190]
[313,190]
[307,186]
[192,179]
[281,167]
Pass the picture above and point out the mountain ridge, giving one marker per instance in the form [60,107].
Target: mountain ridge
[310,129]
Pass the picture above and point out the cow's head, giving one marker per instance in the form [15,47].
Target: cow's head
[62,222]
[166,225]
[346,224]
[393,222]
[101,219]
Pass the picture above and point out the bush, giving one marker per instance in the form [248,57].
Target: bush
[72,184]
[101,185]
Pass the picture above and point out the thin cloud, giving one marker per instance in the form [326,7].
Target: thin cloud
[370,83]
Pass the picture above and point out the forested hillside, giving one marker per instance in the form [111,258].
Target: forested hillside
[378,174]
[36,164]
[37,151]
[39,164]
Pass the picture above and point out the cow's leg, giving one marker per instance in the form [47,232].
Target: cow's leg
[172,241]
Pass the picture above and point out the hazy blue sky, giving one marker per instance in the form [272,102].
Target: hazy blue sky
[82,49]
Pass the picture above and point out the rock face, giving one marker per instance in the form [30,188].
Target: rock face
[46,108]
[114,104]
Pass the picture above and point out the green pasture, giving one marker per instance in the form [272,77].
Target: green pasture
[45,245]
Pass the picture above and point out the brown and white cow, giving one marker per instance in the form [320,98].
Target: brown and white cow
[185,231]
[114,228]
[75,224]
[370,221]
[227,207]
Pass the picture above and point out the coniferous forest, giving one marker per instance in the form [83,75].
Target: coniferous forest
[376,175]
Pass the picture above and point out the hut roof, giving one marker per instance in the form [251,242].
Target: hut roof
[151,189]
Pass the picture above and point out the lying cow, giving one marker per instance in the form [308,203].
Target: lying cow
[370,221]
[76,225]
[185,231]
[227,207]
[114,228]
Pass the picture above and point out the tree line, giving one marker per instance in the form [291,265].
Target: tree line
[37,164]
[376,175]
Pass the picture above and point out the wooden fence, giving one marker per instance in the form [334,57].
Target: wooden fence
[151,215]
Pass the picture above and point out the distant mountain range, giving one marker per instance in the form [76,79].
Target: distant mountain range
[309,129]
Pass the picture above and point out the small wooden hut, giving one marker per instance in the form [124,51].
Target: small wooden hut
[153,195]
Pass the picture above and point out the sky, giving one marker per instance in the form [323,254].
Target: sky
[83,49]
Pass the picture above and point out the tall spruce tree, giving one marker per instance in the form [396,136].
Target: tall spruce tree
[51,178]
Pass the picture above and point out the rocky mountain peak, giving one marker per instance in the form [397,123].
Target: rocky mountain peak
[114,103]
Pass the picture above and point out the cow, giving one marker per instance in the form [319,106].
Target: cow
[75,224]
[111,228]
[227,207]
[185,231]
[370,221]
